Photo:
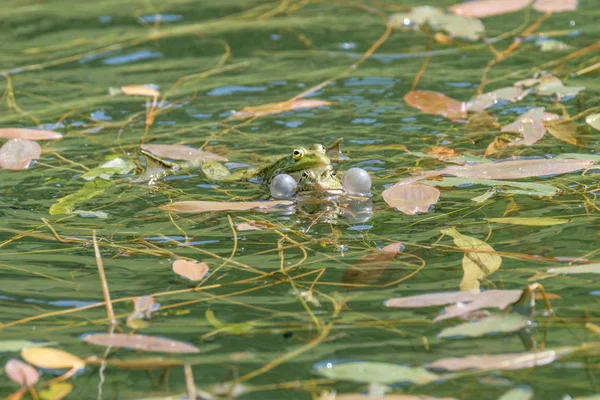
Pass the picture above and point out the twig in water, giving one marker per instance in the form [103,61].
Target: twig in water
[109,309]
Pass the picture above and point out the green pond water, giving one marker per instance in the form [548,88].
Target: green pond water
[60,57]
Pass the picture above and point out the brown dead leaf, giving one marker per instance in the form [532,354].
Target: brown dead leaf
[140,342]
[411,198]
[277,108]
[139,90]
[28,134]
[191,270]
[212,206]
[436,103]
[496,146]
[441,152]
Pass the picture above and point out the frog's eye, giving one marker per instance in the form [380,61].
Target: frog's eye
[297,154]
[305,174]
[321,147]
[333,173]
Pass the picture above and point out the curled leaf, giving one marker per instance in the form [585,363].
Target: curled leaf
[17,154]
[140,342]
[28,134]
[436,103]
[191,270]
[411,198]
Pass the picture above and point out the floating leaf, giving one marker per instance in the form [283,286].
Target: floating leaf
[458,26]
[249,226]
[476,265]
[500,299]
[56,391]
[191,270]
[484,197]
[485,100]
[497,145]
[509,361]
[277,108]
[547,45]
[515,169]
[21,373]
[508,322]
[577,269]
[215,171]
[49,358]
[233,328]
[436,103]
[415,18]
[528,188]
[108,169]
[17,154]
[442,153]
[518,393]
[411,198]
[89,190]
[377,372]
[533,221]
[529,125]
[28,134]
[551,85]
[565,131]
[140,342]
[370,267]
[211,206]
[18,345]
[488,8]
[181,152]
[593,121]
[554,6]
[140,90]
[487,298]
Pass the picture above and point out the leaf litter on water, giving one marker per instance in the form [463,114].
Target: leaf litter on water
[17,154]
[194,271]
[116,166]
[486,298]
[211,206]
[376,372]
[437,103]
[139,90]
[518,393]
[21,373]
[488,8]
[577,269]
[181,152]
[49,358]
[56,391]
[28,134]
[411,198]
[532,221]
[509,361]
[507,322]
[277,108]
[369,267]
[459,26]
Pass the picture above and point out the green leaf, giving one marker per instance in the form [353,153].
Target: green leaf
[236,329]
[591,157]
[518,393]
[508,322]
[88,191]
[17,345]
[577,269]
[533,221]
[117,166]
[215,170]
[377,372]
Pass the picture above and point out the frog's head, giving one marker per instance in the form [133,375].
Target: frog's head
[320,182]
[303,158]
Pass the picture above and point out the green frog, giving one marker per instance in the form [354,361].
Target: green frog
[317,183]
[300,159]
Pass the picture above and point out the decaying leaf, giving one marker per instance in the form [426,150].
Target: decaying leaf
[476,265]
[525,188]
[529,125]
[488,8]
[370,267]
[377,372]
[21,373]
[411,198]
[565,131]
[181,152]
[140,90]
[436,103]
[56,391]
[17,154]
[506,322]
[140,342]
[533,221]
[486,298]
[554,6]
[49,358]
[509,361]
[277,108]
[499,299]
[211,206]
[28,134]
[497,145]
[516,169]
[486,100]
[190,270]
[442,152]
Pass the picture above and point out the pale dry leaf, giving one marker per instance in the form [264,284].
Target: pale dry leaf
[140,90]
[411,198]
[487,298]
[140,342]
[181,152]
[211,206]
[529,125]
[488,8]
[191,270]
[555,6]
[476,265]
[28,134]
[17,154]
[509,361]
[49,358]
[277,108]
[436,103]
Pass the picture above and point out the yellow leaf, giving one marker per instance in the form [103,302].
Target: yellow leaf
[50,358]
[534,221]
[56,391]
[139,90]
[476,265]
